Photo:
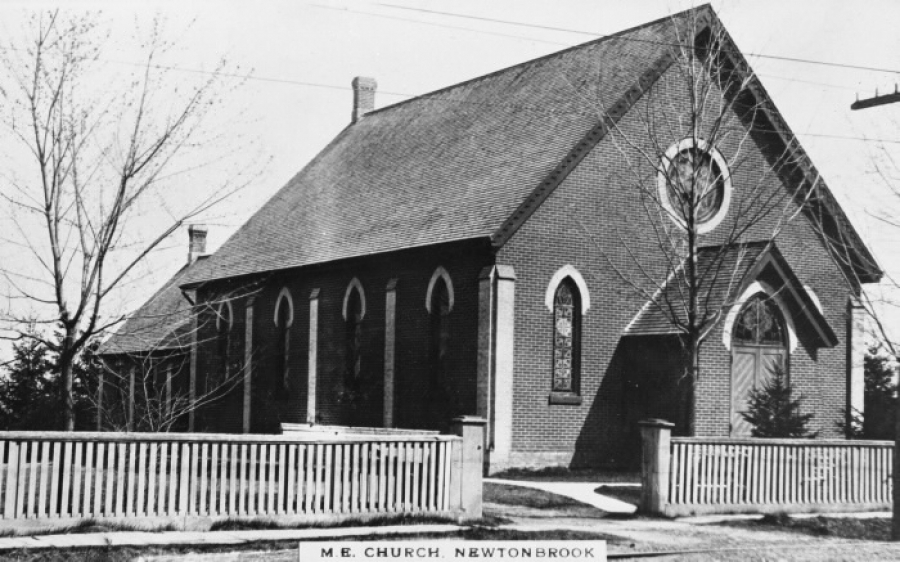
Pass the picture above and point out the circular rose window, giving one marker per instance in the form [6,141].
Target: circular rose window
[693,181]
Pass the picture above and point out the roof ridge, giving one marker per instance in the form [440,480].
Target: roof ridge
[525,64]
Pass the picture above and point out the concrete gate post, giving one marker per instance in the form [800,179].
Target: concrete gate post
[655,463]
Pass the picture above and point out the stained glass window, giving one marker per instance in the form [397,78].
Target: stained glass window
[759,322]
[695,181]
[566,337]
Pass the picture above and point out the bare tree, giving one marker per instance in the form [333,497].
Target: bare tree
[880,303]
[145,381]
[700,124]
[92,187]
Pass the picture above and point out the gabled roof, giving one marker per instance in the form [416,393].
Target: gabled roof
[161,324]
[723,273]
[475,160]
[450,165]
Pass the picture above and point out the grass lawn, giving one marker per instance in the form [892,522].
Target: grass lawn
[563,474]
[526,497]
[871,529]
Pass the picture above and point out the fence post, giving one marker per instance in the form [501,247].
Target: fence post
[469,465]
[655,462]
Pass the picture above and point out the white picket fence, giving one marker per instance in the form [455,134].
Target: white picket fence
[691,475]
[56,475]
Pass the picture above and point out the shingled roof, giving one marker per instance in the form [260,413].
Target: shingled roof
[723,272]
[161,324]
[450,165]
[470,161]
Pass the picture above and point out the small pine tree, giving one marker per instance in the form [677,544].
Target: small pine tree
[30,392]
[878,419]
[772,410]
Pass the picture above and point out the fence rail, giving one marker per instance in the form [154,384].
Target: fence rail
[712,475]
[50,475]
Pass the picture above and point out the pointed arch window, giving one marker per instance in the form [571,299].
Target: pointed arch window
[354,312]
[439,306]
[284,318]
[759,323]
[224,321]
[567,313]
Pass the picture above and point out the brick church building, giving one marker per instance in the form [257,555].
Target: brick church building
[482,250]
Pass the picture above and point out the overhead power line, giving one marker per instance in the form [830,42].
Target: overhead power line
[600,35]
[304,83]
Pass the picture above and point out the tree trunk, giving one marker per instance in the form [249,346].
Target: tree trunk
[66,358]
[693,371]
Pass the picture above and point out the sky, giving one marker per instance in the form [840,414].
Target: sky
[301,57]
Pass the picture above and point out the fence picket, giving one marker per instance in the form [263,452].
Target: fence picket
[172,479]
[77,475]
[141,478]
[129,497]
[31,500]
[233,479]
[309,470]
[407,477]
[12,465]
[201,505]
[216,488]
[391,477]
[282,477]
[363,478]
[45,480]
[320,476]
[270,479]
[151,480]
[374,459]
[22,472]
[260,481]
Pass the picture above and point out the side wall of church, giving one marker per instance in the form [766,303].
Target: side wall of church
[342,398]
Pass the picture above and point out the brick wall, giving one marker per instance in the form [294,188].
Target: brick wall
[600,221]
[417,404]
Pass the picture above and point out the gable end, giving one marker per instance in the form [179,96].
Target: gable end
[577,154]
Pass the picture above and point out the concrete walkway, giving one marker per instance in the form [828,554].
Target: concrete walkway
[187,538]
[579,491]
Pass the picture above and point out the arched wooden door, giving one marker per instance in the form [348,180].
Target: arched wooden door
[758,345]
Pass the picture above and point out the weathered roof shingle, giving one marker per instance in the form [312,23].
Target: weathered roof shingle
[445,166]
[161,324]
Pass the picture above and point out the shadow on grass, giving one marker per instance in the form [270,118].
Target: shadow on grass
[271,524]
[627,494]
[506,494]
[564,474]
[88,526]
[869,529]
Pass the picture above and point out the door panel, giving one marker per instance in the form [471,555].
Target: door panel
[770,358]
[751,368]
[743,379]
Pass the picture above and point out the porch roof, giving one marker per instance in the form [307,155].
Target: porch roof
[724,273]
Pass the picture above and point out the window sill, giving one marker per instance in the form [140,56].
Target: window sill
[566,398]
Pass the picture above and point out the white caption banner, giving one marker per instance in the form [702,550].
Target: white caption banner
[452,550]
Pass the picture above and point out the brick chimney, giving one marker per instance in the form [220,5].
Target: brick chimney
[363,96]
[197,243]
